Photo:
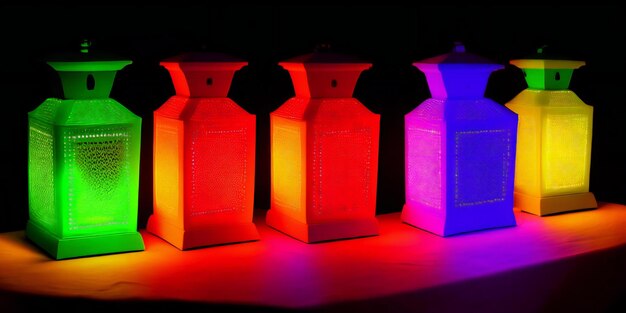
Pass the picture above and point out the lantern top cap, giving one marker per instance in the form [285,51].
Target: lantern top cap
[87,59]
[323,57]
[458,55]
[546,59]
[323,54]
[204,57]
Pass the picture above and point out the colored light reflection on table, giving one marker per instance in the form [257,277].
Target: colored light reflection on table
[281,272]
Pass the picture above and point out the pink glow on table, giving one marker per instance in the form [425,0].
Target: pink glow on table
[278,271]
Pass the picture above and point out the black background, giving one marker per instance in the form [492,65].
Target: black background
[391,37]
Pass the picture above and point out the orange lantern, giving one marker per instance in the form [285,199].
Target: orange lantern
[204,156]
[324,153]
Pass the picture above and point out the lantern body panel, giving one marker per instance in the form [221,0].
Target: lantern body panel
[425,166]
[460,158]
[203,172]
[556,129]
[288,142]
[83,176]
[168,169]
[324,169]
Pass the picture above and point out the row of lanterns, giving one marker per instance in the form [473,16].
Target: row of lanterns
[468,159]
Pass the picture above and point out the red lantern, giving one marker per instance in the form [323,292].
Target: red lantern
[204,157]
[324,153]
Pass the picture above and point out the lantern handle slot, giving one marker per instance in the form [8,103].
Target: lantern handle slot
[85,45]
[91,82]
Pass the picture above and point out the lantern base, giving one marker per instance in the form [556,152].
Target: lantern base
[326,231]
[209,235]
[423,219]
[458,223]
[66,248]
[542,206]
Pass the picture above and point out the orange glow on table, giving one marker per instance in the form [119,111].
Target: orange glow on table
[280,272]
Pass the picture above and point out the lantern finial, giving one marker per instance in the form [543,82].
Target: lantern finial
[540,49]
[323,47]
[459,47]
[85,45]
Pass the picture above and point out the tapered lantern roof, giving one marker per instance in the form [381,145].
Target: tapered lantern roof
[546,70]
[457,74]
[202,74]
[86,73]
[324,74]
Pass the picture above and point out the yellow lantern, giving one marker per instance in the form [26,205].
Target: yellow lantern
[554,139]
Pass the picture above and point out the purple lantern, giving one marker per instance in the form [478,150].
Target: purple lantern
[459,150]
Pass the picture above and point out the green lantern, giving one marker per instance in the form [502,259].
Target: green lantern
[83,163]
